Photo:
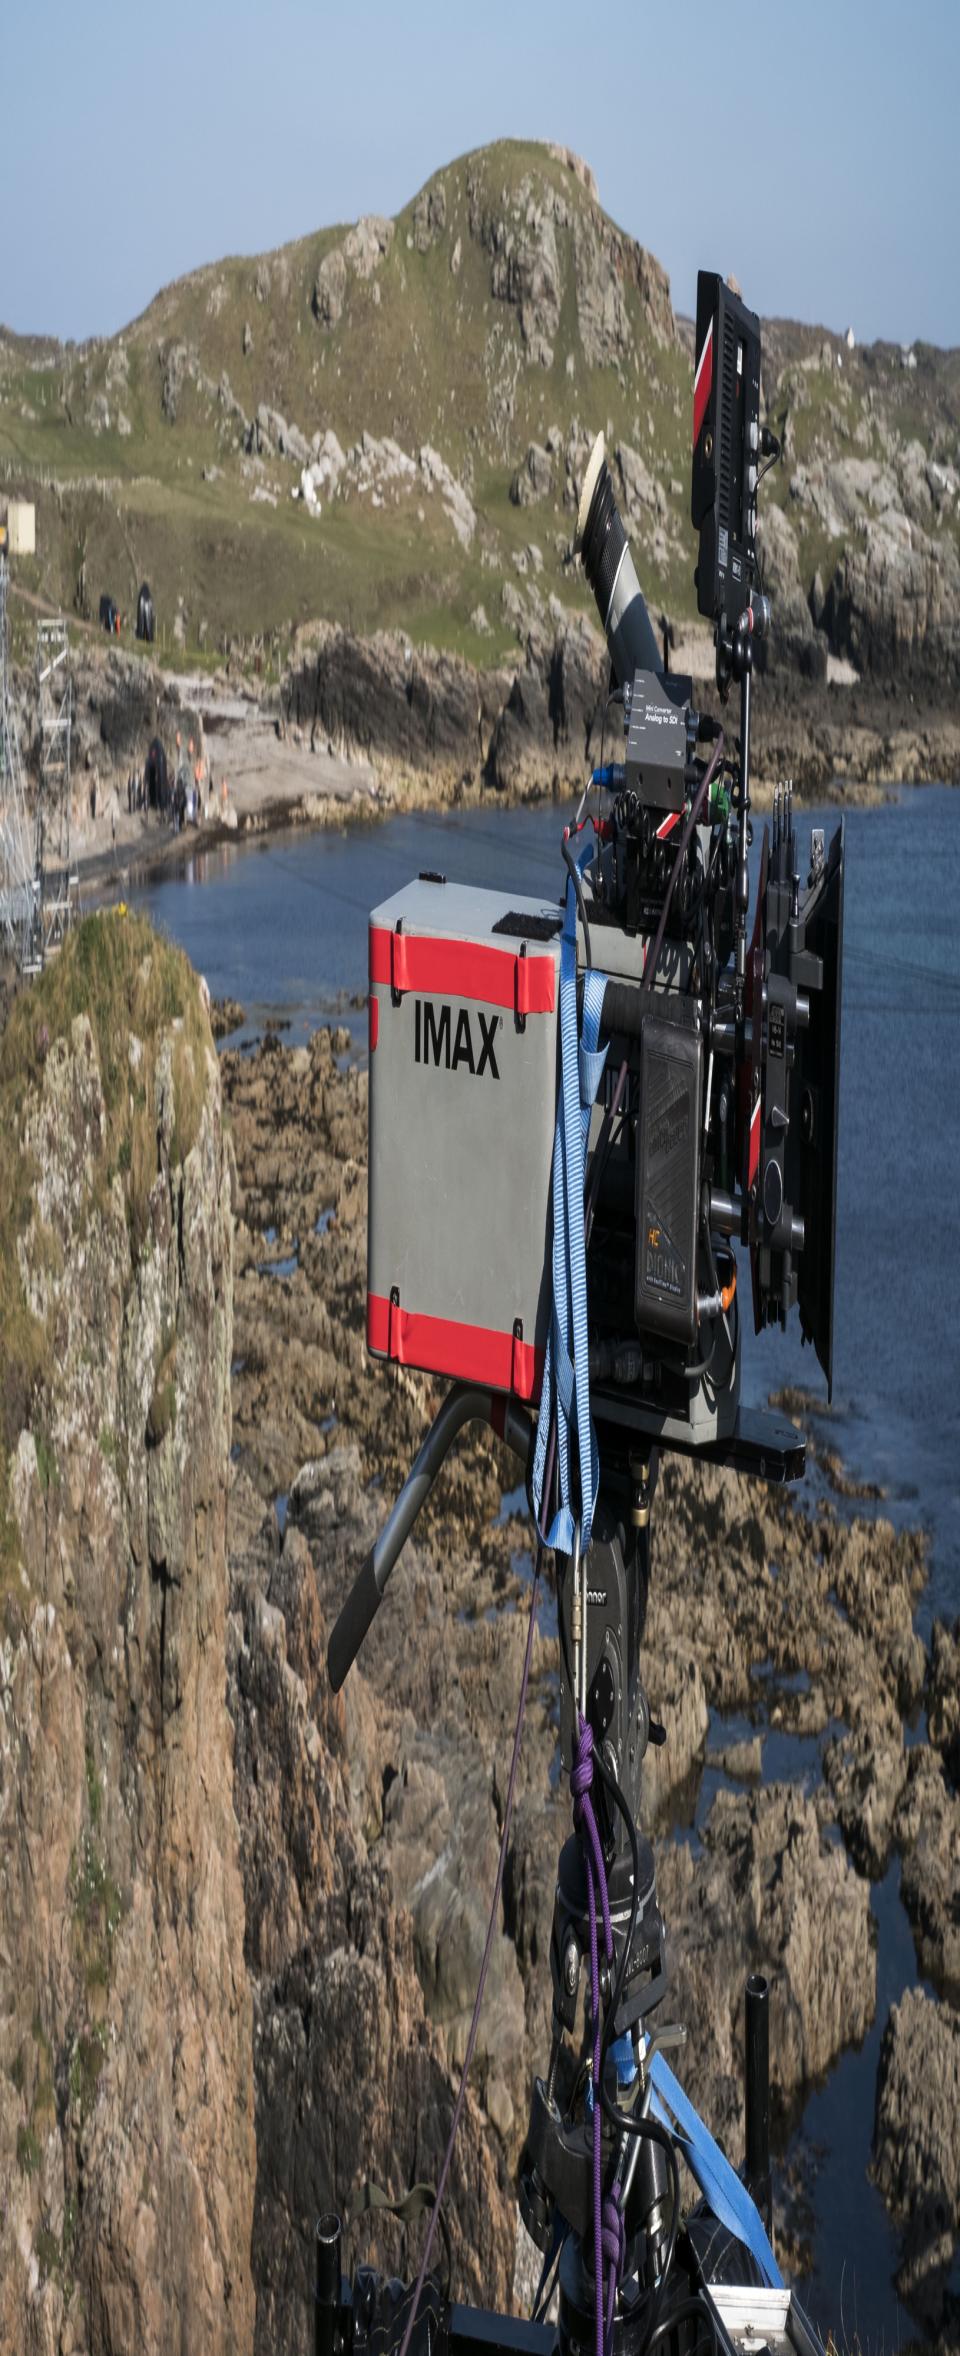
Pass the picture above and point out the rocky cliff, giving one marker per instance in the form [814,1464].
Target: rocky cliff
[211,2023]
[127,2116]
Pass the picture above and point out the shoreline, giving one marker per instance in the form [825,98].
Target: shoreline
[135,857]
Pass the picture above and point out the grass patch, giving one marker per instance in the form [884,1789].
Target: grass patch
[47,1465]
[86,2062]
[97,1904]
[47,2252]
[28,2151]
[94,1790]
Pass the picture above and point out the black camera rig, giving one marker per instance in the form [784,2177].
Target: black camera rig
[576,1115]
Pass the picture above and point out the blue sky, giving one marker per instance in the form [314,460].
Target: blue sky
[812,150]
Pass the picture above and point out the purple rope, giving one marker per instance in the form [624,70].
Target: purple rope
[614,2242]
[608,2232]
[488,1948]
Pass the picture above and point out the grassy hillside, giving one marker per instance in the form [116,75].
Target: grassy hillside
[501,309]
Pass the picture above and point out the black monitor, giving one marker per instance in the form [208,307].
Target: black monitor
[726,450]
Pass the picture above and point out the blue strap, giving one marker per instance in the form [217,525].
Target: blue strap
[720,2184]
[566,1381]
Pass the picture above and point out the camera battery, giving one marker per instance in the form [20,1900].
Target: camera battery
[464,990]
[668,1175]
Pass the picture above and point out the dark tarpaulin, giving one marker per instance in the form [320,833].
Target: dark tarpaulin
[146,618]
[156,781]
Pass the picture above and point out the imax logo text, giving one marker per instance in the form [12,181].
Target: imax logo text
[435,1040]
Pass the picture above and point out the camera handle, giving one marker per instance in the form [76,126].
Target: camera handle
[462,1405]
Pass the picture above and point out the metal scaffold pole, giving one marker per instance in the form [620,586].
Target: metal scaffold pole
[20,934]
[56,885]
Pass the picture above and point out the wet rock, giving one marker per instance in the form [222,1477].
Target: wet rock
[866,1771]
[916,2146]
[768,1894]
[226,1015]
[742,1761]
[928,1830]
[943,1695]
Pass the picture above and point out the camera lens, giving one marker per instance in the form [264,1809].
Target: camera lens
[609,567]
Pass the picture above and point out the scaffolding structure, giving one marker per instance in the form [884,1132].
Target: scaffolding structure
[20,932]
[56,887]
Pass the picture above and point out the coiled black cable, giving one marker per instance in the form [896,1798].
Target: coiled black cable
[689,2311]
[578,888]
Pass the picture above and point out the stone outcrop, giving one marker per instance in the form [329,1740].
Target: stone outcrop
[362,251]
[917,2152]
[893,604]
[430,215]
[127,2119]
[382,695]
[534,479]
[795,640]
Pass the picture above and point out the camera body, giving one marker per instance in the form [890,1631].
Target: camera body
[715,1120]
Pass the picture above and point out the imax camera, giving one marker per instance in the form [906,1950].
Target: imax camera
[580,1112]
[714,1122]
